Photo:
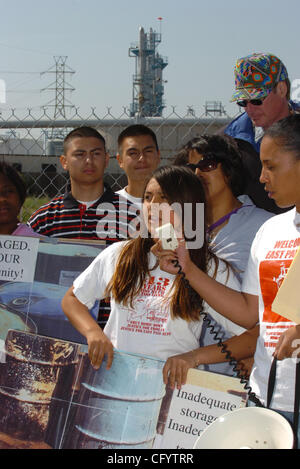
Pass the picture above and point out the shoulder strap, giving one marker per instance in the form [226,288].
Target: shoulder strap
[271,382]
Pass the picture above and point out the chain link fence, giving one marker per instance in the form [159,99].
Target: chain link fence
[32,142]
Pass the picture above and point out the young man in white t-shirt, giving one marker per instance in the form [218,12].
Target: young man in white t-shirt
[138,155]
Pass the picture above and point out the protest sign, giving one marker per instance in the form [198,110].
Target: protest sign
[204,398]
[34,276]
[17,258]
[51,397]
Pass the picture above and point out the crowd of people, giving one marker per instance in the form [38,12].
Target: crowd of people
[247,179]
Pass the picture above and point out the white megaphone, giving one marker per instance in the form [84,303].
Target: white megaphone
[247,428]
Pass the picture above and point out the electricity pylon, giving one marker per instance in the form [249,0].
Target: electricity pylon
[60,86]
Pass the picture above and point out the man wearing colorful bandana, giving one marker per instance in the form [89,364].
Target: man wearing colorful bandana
[262,89]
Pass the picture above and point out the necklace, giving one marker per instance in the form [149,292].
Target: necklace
[221,220]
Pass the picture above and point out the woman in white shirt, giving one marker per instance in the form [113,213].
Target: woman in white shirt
[152,312]
[233,219]
[272,252]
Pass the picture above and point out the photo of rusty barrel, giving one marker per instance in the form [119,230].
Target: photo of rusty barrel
[117,408]
[28,380]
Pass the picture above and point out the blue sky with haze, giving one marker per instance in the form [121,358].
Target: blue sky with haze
[201,39]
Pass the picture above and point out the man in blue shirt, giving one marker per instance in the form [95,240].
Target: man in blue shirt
[262,89]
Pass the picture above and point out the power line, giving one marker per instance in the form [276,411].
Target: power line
[17,84]
[19,73]
[25,49]
[23,91]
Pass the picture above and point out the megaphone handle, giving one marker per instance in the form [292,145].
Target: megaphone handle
[228,355]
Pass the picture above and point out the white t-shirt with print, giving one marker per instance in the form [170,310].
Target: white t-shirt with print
[147,327]
[272,252]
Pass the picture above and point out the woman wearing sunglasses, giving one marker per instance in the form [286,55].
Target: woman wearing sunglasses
[233,219]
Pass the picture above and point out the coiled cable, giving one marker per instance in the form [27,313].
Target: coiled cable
[237,368]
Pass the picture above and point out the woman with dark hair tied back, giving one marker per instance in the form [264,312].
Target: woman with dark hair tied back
[273,249]
[152,313]
[12,198]
[233,219]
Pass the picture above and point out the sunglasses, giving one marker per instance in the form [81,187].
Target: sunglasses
[205,165]
[254,102]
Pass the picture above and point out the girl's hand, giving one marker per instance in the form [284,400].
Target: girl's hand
[288,344]
[176,369]
[167,259]
[98,346]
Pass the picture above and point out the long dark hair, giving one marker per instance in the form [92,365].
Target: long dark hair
[179,185]
[226,152]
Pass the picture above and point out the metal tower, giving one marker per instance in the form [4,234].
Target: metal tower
[60,86]
[148,83]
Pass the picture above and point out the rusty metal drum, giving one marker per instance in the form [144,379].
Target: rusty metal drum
[33,368]
[117,408]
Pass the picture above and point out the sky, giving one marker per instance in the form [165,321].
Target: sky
[201,39]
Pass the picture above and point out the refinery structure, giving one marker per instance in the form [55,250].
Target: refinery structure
[34,145]
[148,83]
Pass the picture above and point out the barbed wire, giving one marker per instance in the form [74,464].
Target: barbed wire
[32,141]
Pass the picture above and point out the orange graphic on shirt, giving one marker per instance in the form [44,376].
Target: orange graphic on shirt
[271,274]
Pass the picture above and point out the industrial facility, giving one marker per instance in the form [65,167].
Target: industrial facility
[33,145]
[148,83]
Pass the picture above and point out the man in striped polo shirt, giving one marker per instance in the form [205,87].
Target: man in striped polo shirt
[90,210]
